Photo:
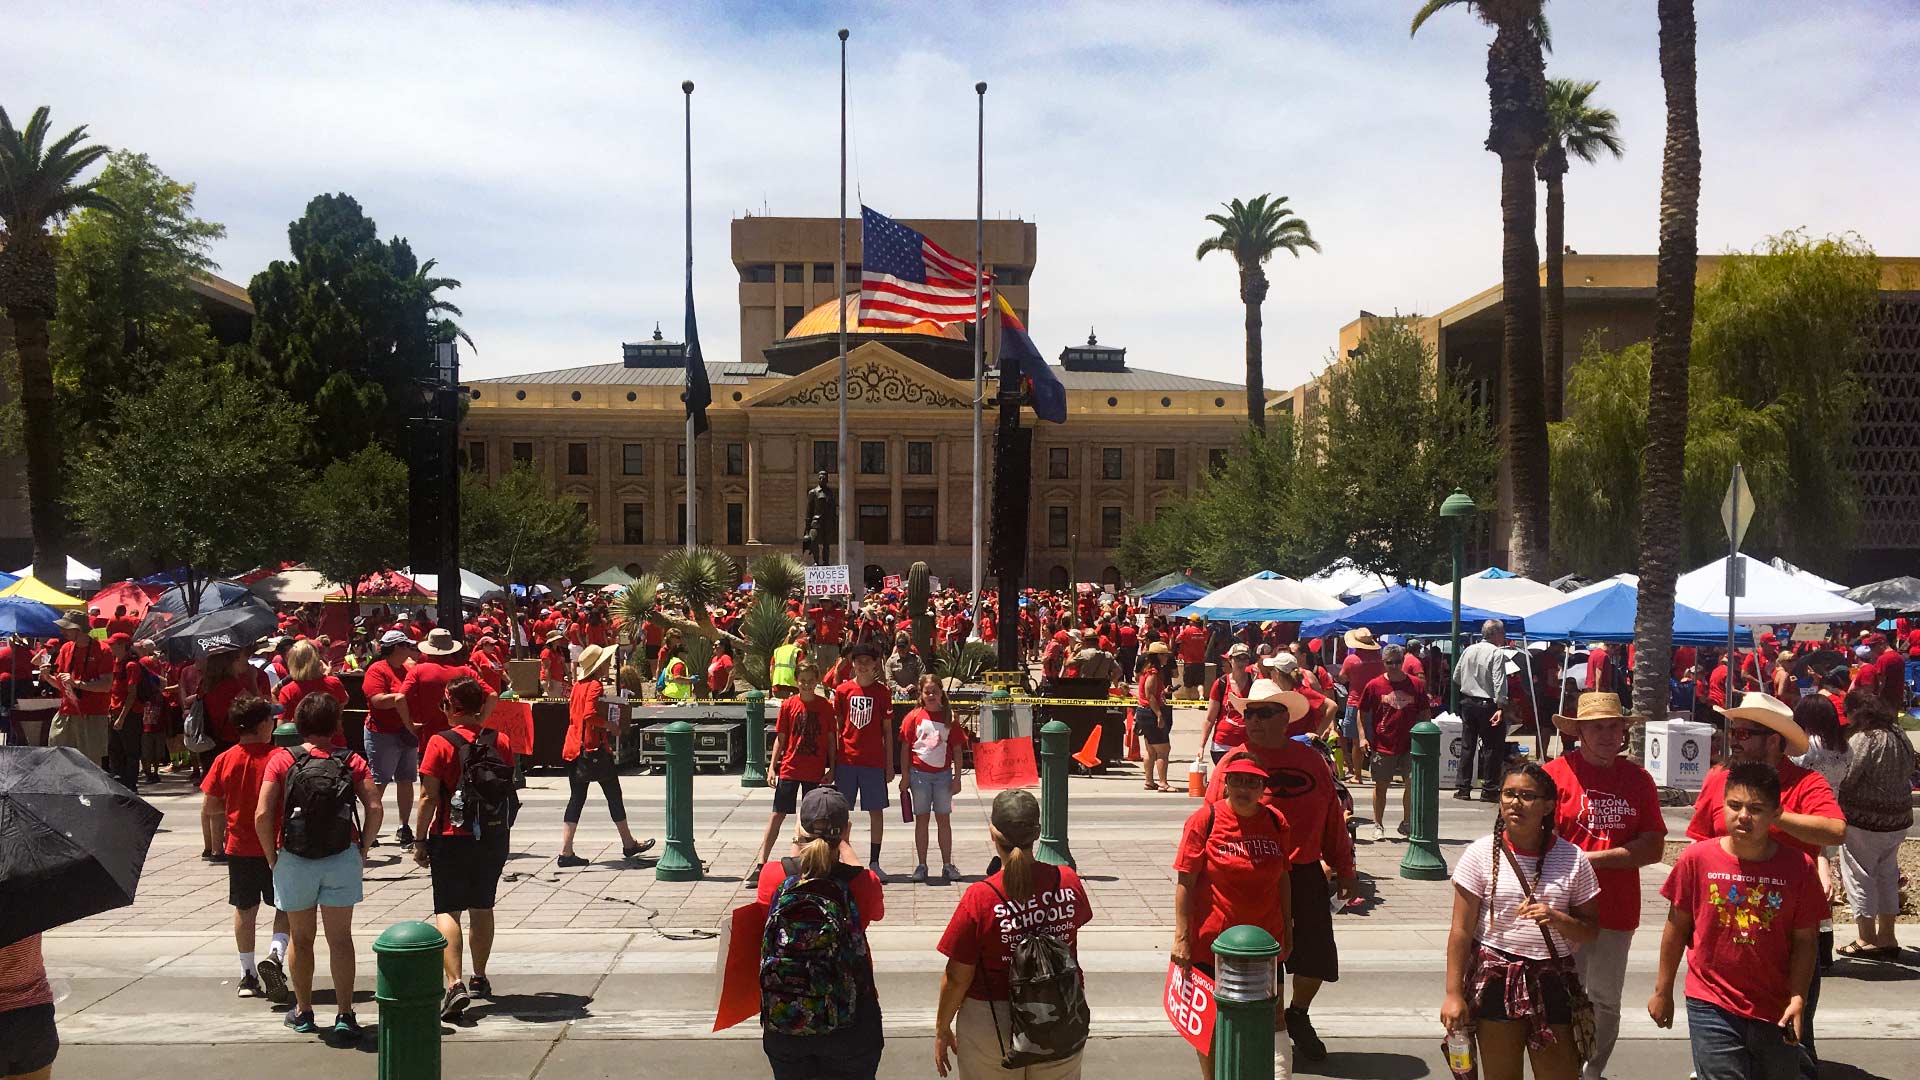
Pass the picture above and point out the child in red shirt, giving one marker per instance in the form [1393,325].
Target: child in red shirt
[931,742]
[863,714]
[805,744]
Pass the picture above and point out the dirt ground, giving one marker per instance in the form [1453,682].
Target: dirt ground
[1909,874]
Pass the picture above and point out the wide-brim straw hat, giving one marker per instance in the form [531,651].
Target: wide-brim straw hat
[592,659]
[555,636]
[1268,692]
[1594,705]
[1769,712]
[1362,639]
[1158,648]
[440,642]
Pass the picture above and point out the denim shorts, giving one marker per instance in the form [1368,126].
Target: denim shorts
[300,884]
[1350,723]
[931,791]
[866,782]
[392,756]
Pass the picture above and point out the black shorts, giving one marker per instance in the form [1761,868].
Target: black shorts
[1553,988]
[249,881]
[466,872]
[1314,953]
[788,793]
[1154,730]
[1192,675]
[28,1041]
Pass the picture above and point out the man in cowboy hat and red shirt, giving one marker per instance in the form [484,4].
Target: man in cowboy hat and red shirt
[1300,786]
[1609,808]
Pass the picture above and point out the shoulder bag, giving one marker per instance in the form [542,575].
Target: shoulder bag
[1579,1004]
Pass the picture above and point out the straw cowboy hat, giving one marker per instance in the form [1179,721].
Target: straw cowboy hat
[1158,648]
[1268,692]
[592,659]
[554,637]
[1771,713]
[1594,705]
[1362,639]
[440,642]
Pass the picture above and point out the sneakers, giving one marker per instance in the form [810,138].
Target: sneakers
[950,872]
[480,986]
[273,979]
[455,1002]
[301,1022]
[879,873]
[403,837]
[1306,1041]
[250,987]
[1463,794]
[1379,833]
[566,861]
[346,1027]
[920,874]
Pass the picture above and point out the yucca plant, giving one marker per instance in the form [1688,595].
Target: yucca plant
[961,662]
[699,653]
[778,575]
[636,604]
[700,577]
[764,629]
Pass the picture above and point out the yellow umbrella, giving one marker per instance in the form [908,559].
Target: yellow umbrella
[34,589]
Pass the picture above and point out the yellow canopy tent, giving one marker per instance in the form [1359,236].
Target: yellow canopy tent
[34,589]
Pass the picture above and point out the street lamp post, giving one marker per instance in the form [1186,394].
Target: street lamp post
[1456,510]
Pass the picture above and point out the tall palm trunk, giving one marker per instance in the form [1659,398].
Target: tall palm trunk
[1253,293]
[1665,469]
[30,306]
[1553,170]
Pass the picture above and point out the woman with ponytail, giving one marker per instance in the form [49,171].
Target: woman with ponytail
[974,1021]
[1524,900]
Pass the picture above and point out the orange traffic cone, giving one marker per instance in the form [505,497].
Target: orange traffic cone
[1133,740]
[1196,780]
[1089,755]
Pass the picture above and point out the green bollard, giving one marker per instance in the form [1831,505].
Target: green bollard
[1000,704]
[679,862]
[1054,755]
[1246,988]
[754,774]
[408,988]
[286,735]
[1422,861]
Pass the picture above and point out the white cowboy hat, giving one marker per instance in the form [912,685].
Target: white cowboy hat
[1268,692]
[1362,639]
[592,659]
[1769,712]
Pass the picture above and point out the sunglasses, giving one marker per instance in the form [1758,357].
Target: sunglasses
[1263,711]
[1745,733]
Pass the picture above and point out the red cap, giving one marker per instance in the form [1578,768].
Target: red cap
[1768,639]
[1243,764]
[1314,645]
[122,638]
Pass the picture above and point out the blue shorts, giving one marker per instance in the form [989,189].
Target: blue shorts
[300,884]
[1350,723]
[931,791]
[392,756]
[867,782]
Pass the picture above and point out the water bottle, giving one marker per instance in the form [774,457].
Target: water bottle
[1460,1054]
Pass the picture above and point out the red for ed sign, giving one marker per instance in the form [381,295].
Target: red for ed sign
[1189,1001]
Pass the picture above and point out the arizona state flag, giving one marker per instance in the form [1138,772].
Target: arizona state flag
[1049,396]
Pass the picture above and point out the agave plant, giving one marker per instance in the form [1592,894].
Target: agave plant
[637,603]
[701,577]
[764,629]
[961,662]
[778,575]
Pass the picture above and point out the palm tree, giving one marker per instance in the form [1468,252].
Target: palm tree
[1517,99]
[1578,127]
[1251,232]
[1664,477]
[424,286]
[37,188]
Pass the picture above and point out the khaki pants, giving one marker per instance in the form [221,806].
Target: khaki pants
[87,734]
[1602,967]
[979,1052]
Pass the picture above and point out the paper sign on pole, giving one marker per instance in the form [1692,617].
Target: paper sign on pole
[829,581]
[1005,763]
[933,583]
[1811,631]
[1189,1003]
[737,990]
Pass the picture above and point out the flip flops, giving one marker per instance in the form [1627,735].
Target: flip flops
[1860,950]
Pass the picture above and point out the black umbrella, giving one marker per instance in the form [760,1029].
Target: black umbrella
[1893,594]
[72,840]
[1819,662]
[171,606]
[239,625]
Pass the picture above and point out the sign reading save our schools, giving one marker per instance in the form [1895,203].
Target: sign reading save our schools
[1189,1002]
[829,581]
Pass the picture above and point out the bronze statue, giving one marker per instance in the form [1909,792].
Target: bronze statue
[823,522]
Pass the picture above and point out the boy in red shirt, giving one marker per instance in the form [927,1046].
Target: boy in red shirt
[232,790]
[1389,705]
[805,743]
[863,714]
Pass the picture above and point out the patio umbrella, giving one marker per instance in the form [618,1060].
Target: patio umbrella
[242,624]
[19,615]
[172,605]
[72,840]
[1893,594]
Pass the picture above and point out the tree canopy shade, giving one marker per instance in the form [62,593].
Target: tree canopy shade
[189,494]
[39,186]
[1252,232]
[353,517]
[515,530]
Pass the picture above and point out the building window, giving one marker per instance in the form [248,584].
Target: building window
[1057,578]
[1110,526]
[1010,275]
[633,459]
[1163,462]
[1057,463]
[583,511]
[523,453]
[680,524]
[1057,526]
[922,524]
[736,458]
[477,457]
[1113,463]
[792,273]
[736,523]
[576,459]
[920,458]
[826,456]
[1217,460]
[823,273]
[633,523]
[873,523]
[757,274]
[680,459]
[790,317]
[873,458]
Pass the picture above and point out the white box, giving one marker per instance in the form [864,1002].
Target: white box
[1679,752]
[1449,726]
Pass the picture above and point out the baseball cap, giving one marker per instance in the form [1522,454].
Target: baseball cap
[1285,661]
[1768,639]
[823,814]
[1243,764]
[1239,649]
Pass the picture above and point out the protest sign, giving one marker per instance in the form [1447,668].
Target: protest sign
[737,990]
[829,581]
[514,721]
[1189,1002]
[1005,763]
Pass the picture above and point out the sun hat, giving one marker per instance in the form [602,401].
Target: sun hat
[1593,705]
[823,814]
[72,620]
[394,637]
[555,636]
[1769,712]
[440,642]
[1243,764]
[592,659]
[1157,648]
[1361,639]
[1268,692]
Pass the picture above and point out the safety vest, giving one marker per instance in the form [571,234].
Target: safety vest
[680,690]
[786,661]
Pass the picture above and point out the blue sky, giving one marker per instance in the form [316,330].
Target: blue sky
[534,149]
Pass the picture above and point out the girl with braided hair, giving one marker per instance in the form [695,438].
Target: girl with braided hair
[1515,929]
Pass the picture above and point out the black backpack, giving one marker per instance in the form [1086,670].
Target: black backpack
[322,813]
[1046,1003]
[484,800]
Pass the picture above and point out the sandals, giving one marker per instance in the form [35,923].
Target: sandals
[1151,786]
[1860,950]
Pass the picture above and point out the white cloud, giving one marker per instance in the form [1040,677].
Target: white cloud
[534,149]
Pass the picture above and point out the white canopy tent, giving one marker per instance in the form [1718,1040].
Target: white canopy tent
[1266,596]
[472,585]
[1606,583]
[1507,595]
[294,585]
[79,574]
[1343,579]
[1772,596]
[1807,576]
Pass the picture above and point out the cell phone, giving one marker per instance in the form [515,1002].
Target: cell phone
[1788,1035]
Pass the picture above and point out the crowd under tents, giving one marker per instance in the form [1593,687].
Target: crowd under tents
[1772,596]
[1264,597]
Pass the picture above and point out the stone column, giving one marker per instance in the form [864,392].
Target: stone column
[753,490]
[662,532]
[803,479]
[1142,461]
[896,508]
[943,513]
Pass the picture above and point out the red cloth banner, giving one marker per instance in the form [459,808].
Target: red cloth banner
[1189,1002]
[738,988]
[1005,763]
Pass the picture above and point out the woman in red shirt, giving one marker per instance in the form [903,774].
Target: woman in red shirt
[228,676]
[588,759]
[307,674]
[553,665]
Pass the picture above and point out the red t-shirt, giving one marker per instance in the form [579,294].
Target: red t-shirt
[1191,644]
[803,758]
[126,676]
[1358,672]
[440,759]
[1129,637]
[984,925]
[280,763]
[86,661]
[586,725]
[382,679]
[235,776]
[1743,917]
[1890,678]
[425,688]
[1802,791]
[1230,730]
[863,715]
[869,899]
[1239,866]
[219,701]
[934,740]
[1310,723]
[553,664]
[291,692]
[1602,808]
[1395,708]
[1300,786]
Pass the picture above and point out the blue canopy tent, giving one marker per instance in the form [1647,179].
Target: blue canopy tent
[1183,593]
[7,579]
[1607,615]
[1405,610]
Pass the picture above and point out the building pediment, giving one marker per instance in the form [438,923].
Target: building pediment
[877,377]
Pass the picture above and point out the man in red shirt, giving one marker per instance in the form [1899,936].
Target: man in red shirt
[392,744]
[1389,705]
[1889,674]
[232,790]
[122,623]
[83,671]
[425,688]
[864,764]
[1190,645]
[1609,808]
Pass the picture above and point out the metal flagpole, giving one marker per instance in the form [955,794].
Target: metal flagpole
[693,487]
[845,524]
[979,350]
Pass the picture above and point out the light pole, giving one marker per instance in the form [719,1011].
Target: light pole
[1455,511]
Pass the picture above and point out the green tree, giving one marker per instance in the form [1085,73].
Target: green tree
[1252,232]
[190,494]
[426,287]
[517,530]
[37,189]
[349,325]
[353,518]
[1517,98]
[1237,522]
[1387,444]
[1576,127]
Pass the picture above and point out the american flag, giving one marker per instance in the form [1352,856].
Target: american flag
[906,278]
